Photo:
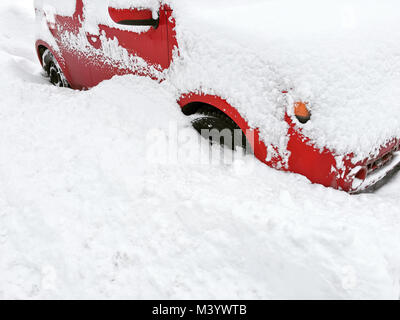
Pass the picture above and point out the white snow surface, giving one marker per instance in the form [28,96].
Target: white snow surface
[85,214]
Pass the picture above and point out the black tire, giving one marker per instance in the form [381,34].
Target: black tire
[53,70]
[209,120]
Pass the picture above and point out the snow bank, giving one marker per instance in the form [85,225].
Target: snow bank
[85,214]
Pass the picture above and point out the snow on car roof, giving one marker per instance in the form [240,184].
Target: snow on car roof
[341,56]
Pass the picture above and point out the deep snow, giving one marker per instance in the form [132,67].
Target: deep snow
[85,212]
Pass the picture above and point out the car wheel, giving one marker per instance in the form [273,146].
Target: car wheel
[53,70]
[217,127]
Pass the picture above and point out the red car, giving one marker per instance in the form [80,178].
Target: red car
[83,42]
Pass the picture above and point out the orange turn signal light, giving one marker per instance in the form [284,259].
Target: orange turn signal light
[301,112]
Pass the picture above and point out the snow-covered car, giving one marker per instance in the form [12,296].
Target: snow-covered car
[312,84]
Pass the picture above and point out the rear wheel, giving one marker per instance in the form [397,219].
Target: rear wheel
[53,70]
[217,127]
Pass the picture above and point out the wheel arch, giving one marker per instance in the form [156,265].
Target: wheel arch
[41,46]
[189,102]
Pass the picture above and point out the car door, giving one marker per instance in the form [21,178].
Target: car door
[133,41]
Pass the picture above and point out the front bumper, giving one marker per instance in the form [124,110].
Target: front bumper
[380,177]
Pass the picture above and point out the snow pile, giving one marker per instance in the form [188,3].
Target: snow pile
[85,213]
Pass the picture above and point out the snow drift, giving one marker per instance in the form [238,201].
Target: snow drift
[85,214]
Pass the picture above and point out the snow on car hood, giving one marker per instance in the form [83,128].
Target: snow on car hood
[341,56]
